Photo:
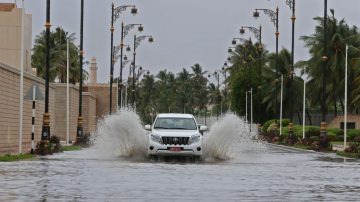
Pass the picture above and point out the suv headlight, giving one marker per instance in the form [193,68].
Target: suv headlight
[156,138]
[194,139]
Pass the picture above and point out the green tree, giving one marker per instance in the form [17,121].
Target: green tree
[338,35]
[58,56]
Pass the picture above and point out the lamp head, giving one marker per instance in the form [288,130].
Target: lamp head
[256,14]
[140,28]
[242,30]
[230,50]
[125,58]
[134,10]
[233,42]
[128,49]
[151,39]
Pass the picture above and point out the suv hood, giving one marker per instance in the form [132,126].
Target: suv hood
[175,133]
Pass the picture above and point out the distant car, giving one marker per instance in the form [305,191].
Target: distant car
[175,135]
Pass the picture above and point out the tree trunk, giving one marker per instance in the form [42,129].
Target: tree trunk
[335,107]
[309,117]
[299,117]
[342,105]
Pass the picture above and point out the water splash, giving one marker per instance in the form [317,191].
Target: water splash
[121,134]
[225,134]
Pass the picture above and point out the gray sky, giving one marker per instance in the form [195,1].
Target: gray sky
[185,31]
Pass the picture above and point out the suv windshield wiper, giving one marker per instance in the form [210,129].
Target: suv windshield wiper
[183,128]
[160,127]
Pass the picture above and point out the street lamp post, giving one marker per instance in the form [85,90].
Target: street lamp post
[291,4]
[137,41]
[124,32]
[274,16]
[257,33]
[45,132]
[81,55]
[325,60]
[115,14]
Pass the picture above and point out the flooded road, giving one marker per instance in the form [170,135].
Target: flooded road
[248,171]
[266,174]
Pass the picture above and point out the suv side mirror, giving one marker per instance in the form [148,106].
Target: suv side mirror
[147,127]
[203,128]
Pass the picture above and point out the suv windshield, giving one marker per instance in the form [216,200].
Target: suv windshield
[175,123]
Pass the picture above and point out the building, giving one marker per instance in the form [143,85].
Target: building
[10,36]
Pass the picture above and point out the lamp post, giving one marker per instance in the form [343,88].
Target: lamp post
[79,130]
[224,69]
[325,60]
[115,14]
[45,132]
[291,4]
[124,32]
[274,16]
[137,41]
[258,34]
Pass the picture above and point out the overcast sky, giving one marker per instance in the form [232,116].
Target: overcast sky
[185,31]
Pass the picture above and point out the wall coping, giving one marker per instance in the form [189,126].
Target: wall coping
[64,85]
[89,94]
[26,74]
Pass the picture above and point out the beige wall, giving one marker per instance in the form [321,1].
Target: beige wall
[336,123]
[102,93]
[10,38]
[89,112]
[60,111]
[10,111]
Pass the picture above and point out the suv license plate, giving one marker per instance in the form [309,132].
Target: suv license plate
[176,149]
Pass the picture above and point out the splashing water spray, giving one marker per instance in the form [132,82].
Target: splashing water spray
[224,135]
[122,134]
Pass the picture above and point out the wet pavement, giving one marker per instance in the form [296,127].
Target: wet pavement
[267,174]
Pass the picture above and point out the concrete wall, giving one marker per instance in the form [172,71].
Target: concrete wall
[102,93]
[89,112]
[60,111]
[10,37]
[10,111]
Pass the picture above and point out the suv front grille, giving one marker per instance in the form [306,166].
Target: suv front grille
[175,140]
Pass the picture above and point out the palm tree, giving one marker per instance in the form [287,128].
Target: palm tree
[199,83]
[339,34]
[58,56]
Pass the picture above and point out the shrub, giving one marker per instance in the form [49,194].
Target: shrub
[45,147]
[83,140]
[331,136]
[336,131]
[311,131]
[285,122]
[266,125]
[352,134]
[56,142]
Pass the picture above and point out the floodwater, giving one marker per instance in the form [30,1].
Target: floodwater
[248,171]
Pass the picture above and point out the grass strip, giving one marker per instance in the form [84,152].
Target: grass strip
[18,157]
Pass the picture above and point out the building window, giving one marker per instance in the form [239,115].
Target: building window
[350,125]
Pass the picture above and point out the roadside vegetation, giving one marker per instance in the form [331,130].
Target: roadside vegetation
[313,140]
[19,157]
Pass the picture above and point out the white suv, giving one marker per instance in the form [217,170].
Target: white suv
[175,135]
